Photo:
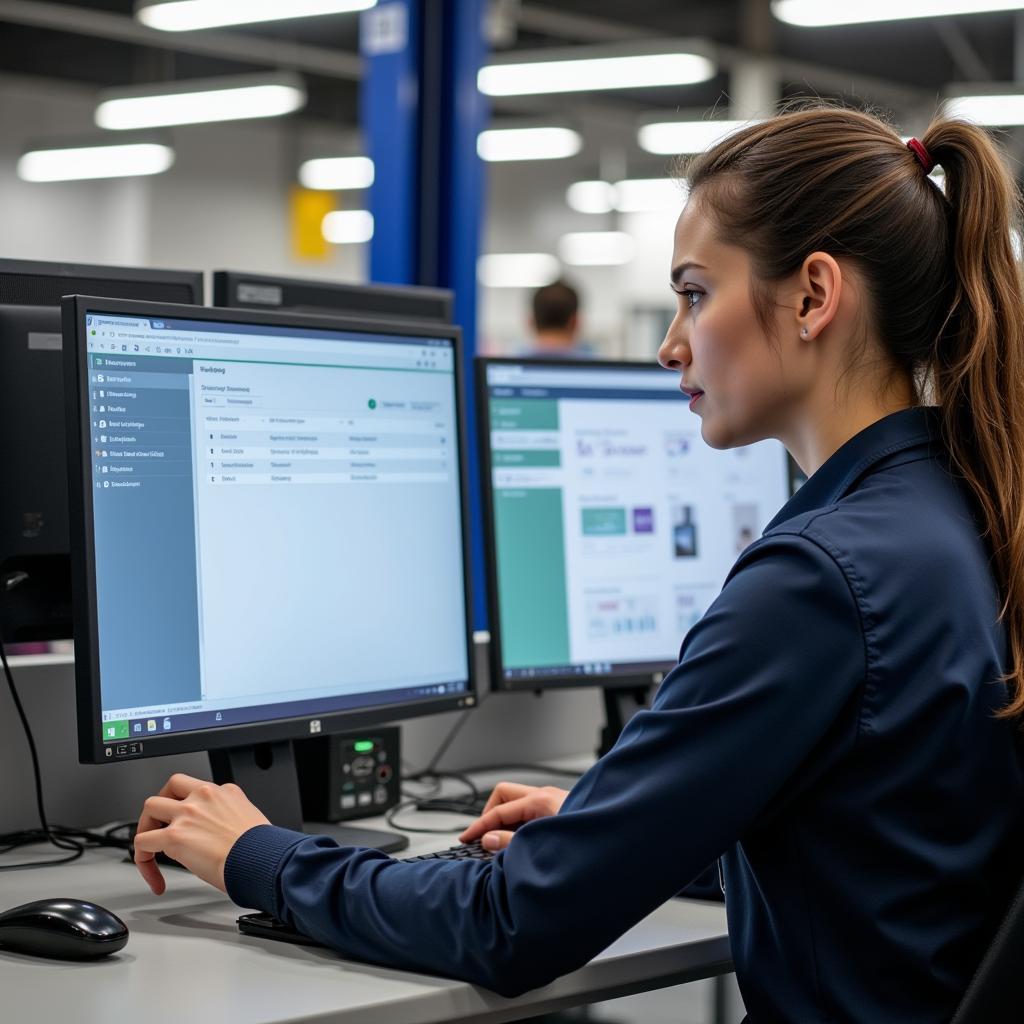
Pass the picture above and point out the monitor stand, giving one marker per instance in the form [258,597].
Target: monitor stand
[266,773]
[620,705]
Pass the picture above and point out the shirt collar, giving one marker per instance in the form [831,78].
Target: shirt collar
[897,432]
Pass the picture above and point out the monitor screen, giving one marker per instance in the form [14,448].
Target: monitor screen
[273,526]
[612,525]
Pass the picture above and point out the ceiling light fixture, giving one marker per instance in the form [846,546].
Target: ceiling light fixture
[620,67]
[640,195]
[596,248]
[189,15]
[815,14]
[337,173]
[78,163]
[517,269]
[502,144]
[671,137]
[345,226]
[228,98]
[995,109]
[591,196]
[632,195]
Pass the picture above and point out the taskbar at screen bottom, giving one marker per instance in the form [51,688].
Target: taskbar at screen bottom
[140,727]
[589,673]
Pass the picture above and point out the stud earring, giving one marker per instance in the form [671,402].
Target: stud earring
[803,333]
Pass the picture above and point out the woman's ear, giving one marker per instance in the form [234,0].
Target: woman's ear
[819,288]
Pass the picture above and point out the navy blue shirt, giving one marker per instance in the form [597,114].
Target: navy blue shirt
[829,733]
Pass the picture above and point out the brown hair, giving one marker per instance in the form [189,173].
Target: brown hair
[945,288]
[554,306]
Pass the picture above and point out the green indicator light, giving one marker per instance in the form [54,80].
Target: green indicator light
[372,403]
[363,746]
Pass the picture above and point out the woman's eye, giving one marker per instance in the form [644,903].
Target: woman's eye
[690,296]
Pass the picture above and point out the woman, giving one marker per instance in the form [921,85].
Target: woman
[840,730]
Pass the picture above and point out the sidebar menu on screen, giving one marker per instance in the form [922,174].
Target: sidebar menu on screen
[144,524]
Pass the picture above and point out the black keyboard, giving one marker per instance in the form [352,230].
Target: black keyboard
[464,851]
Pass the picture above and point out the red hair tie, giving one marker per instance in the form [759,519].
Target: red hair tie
[922,154]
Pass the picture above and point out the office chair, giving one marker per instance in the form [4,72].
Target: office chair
[996,992]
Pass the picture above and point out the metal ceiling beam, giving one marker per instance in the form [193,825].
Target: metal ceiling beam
[580,28]
[960,48]
[314,60]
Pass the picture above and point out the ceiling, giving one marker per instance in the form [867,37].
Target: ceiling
[97,43]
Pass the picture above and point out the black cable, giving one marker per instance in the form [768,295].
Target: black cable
[445,744]
[74,840]
[545,769]
[390,816]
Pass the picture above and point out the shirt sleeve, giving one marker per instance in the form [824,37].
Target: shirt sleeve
[762,678]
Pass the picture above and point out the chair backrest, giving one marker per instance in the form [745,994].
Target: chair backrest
[996,992]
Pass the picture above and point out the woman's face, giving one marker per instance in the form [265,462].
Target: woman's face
[718,346]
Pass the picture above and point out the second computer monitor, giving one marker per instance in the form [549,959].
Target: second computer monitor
[301,295]
[611,524]
[33,473]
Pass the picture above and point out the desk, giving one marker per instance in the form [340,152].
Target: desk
[186,961]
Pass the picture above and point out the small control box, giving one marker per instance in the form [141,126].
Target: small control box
[351,775]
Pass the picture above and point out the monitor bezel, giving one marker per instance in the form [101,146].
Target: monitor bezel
[92,749]
[225,283]
[142,275]
[625,679]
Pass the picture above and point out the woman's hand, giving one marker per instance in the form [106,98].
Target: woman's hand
[511,804]
[196,823]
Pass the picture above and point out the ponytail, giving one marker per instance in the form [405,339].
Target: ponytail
[976,369]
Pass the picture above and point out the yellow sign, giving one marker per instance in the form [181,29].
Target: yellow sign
[308,208]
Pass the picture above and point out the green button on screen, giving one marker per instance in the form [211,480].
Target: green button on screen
[363,746]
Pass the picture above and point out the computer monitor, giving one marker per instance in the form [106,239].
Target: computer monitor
[611,525]
[33,474]
[388,302]
[269,532]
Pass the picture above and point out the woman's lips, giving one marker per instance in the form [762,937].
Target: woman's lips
[694,395]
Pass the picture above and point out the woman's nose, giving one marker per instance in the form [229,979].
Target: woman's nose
[674,352]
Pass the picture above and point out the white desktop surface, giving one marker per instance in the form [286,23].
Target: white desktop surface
[186,961]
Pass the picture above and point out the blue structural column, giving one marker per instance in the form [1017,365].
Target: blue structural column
[421,114]
[389,101]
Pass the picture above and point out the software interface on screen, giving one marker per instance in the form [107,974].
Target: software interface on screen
[277,522]
[615,525]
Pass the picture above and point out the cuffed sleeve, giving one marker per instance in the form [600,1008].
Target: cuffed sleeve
[251,869]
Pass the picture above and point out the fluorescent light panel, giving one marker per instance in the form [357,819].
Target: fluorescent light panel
[815,13]
[596,248]
[84,162]
[501,144]
[1007,109]
[670,137]
[639,195]
[591,196]
[232,98]
[188,15]
[594,73]
[632,195]
[517,270]
[337,173]
[345,226]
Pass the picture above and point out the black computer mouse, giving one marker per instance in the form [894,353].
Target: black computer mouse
[63,929]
